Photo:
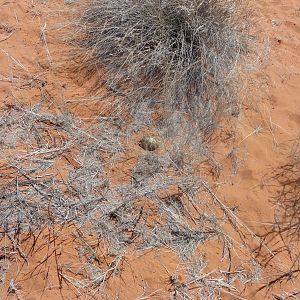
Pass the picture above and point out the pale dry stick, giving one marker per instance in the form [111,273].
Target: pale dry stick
[286,131]
[6,79]
[17,247]
[84,100]
[270,125]
[10,79]
[72,281]
[105,276]
[16,16]
[230,212]
[21,81]
[13,79]
[255,131]
[15,60]
[233,295]
[9,31]
[6,253]
[6,37]
[12,289]
[277,125]
[287,296]
[142,297]
[163,265]
[44,40]
[90,136]
[272,131]
[236,218]
[46,151]
[71,143]
[221,287]
[201,277]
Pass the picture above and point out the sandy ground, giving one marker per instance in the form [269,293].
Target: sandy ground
[29,55]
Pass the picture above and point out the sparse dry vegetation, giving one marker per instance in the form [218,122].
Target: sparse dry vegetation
[171,68]
[152,210]
[284,235]
[287,200]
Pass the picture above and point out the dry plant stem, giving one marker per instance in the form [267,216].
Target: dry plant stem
[10,57]
[150,296]
[44,40]
[284,234]
[6,37]
[9,32]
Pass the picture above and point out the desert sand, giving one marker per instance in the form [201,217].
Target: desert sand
[30,66]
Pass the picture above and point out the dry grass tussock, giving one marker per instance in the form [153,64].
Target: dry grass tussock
[178,66]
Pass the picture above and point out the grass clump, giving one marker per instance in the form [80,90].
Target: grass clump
[173,56]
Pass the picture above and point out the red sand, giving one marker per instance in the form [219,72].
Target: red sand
[22,54]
